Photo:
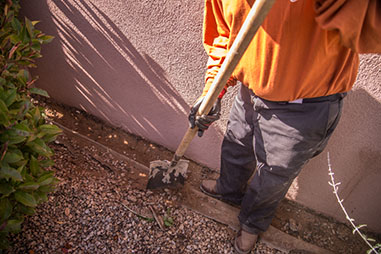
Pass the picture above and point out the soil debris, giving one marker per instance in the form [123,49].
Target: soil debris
[101,204]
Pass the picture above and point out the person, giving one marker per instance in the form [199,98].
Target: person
[293,78]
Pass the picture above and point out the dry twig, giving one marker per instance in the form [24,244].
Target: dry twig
[158,218]
[335,187]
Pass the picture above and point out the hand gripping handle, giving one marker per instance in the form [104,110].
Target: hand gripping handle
[252,22]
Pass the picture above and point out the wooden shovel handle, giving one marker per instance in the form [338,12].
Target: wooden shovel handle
[253,21]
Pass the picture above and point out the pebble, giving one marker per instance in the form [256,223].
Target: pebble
[293,225]
[95,200]
[132,198]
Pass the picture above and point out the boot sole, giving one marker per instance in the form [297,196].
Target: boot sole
[238,250]
[205,191]
[218,196]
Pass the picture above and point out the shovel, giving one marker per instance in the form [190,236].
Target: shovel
[171,174]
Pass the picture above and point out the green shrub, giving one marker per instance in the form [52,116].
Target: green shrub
[24,133]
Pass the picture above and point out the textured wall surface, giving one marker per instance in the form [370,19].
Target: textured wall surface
[355,153]
[140,64]
[137,64]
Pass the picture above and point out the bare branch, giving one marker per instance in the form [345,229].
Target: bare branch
[340,201]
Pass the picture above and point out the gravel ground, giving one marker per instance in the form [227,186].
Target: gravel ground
[100,206]
[97,209]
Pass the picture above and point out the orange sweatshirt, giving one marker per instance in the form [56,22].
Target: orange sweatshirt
[304,49]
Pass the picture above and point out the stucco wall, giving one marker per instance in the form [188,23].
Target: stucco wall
[140,64]
[355,154]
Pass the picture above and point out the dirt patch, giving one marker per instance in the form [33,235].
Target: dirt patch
[291,218]
[101,206]
[98,208]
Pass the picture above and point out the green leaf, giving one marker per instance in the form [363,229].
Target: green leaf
[49,129]
[29,186]
[10,97]
[25,209]
[20,120]
[11,136]
[13,114]
[15,38]
[29,178]
[3,106]
[16,139]
[9,172]
[46,188]
[22,129]
[40,196]
[40,147]
[29,27]
[5,209]
[13,226]
[25,198]
[23,35]
[16,25]
[24,107]
[11,13]
[21,164]
[23,76]
[4,120]
[46,163]
[6,189]
[168,221]
[46,179]
[13,156]
[31,138]
[46,38]
[34,166]
[35,90]
[36,45]
[36,115]
[49,138]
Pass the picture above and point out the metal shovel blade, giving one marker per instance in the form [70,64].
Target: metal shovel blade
[166,174]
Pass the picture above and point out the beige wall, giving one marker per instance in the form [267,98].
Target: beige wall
[140,64]
[355,153]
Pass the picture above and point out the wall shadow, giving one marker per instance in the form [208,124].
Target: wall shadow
[355,154]
[93,65]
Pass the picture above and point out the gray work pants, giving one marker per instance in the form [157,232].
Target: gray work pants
[277,139]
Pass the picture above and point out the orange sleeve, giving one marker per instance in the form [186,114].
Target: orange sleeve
[357,21]
[216,35]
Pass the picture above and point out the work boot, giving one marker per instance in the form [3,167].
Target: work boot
[209,187]
[244,242]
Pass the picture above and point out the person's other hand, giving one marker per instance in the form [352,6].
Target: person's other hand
[204,121]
